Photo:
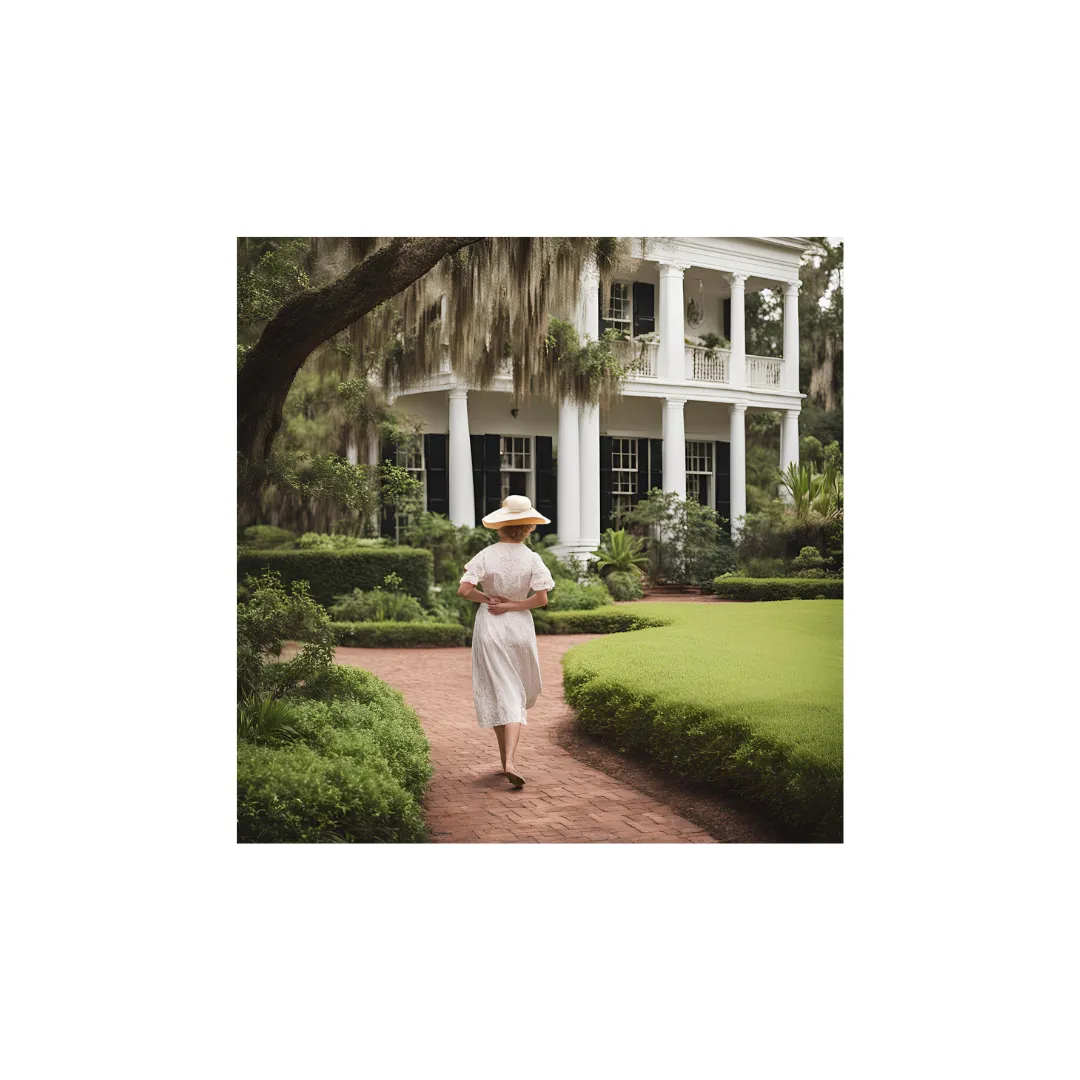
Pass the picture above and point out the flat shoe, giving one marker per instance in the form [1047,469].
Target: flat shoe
[515,778]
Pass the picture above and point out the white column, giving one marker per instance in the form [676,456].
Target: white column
[590,308]
[789,441]
[737,376]
[672,352]
[738,466]
[459,463]
[589,453]
[674,456]
[569,476]
[791,338]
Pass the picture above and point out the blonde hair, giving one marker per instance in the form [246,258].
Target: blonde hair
[515,533]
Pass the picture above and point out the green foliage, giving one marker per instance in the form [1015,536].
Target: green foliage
[619,551]
[271,617]
[736,588]
[762,566]
[265,721]
[570,596]
[814,495]
[446,542]
[750,697]
[550,540]
[277,273]
[809,563]
[585,373]
[378,605]
[312,541]
[267,536]
[400,635]
[609,620]
[333,573]
[448,607]
[624,586]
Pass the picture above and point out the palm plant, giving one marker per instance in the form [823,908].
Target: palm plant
[820,493]
[619,551]
[264,720]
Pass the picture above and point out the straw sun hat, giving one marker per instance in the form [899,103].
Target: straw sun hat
[515,510]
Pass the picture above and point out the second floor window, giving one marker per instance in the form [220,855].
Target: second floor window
[618,315]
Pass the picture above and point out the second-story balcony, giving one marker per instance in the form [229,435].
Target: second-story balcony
[702,364]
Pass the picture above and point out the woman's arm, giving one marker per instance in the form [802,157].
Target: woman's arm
[538,599]
[471,592]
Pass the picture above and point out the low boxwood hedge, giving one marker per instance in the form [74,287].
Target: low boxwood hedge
[355,770]
[399,635]
[609,620]
[736,588]
[332,573]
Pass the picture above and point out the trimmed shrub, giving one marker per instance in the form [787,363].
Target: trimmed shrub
[339,542]
[266,536]
[333,573]
[399,635]
[295,795]
[624,586]
[570,596]
[376,606]
[762,566]
[735,588]
[808,563]
[604,621]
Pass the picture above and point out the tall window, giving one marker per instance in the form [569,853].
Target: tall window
[516,465]
[624,474]
[699,472]
[410,457]
[618,315]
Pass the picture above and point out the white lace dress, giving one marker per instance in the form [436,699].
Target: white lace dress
[506,668]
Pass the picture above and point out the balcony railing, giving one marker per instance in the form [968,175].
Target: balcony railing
[765,372]
[640,355]
[707,365]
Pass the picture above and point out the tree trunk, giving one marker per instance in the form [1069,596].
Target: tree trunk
[308,320]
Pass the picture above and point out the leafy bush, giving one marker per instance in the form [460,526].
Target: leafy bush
[265,721]
[355,770]
[549,541]
[379,605]
[686,544]
[333,573]
[624,586]
[809,558]
[603,621]
[735,588]
[399,635]
[568,595]
[266,536]
[763,567]
[619,552]
[296,795]
[448,607]
[270,618]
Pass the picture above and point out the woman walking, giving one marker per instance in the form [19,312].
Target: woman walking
[506,668]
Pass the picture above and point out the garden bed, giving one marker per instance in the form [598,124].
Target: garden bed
[736,588]
[400,635]
[747,696]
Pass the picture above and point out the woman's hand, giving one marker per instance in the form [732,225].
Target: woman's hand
[502,606]
[495,598]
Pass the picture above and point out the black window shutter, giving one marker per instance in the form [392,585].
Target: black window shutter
[642,469]
[477,445]
[656,463]
[601,308]
[605,483]
[386,516]
[438,481]
[492,469]
[545,483]
[722,479]
[644,308]
[727,319]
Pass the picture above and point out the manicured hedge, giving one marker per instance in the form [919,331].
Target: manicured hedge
[331,573]
[399,635]
[608,620]
[748,696]
[356,771]
[735,588]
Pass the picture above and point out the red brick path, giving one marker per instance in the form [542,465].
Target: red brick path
[470,801]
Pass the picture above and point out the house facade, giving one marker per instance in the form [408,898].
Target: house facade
[680,424]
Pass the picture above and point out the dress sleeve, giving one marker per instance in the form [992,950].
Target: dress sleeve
[541,577]
[474,569]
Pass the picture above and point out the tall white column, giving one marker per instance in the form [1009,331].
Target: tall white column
[737,375]
[459,463]
[791,337]
[672,351]
[674,456]
[589,453]
[590,308]
[789,439]
[569,476]
[738,466]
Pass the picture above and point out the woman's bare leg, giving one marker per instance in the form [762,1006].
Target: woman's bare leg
[513,733]
[500,734]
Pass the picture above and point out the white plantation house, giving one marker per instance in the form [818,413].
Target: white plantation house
[679,425]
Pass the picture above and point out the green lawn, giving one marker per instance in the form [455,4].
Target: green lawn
[751,693]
